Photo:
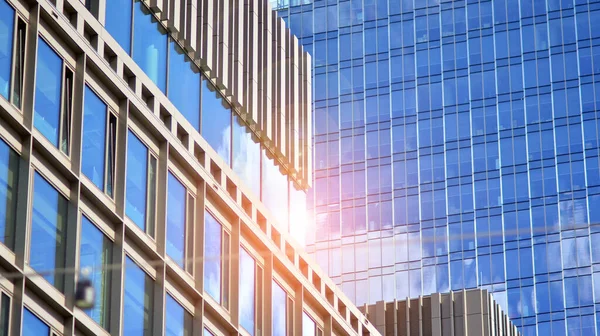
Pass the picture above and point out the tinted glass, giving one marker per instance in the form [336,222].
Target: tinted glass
[216,122]
[32,325]
[94,138]
[48,81]
[136,180]
[5,315]
[137,301]
[177,320]
[48,231]
[279,310]
[184,85]
[9,165]
[150,46]
[176,198]
[95,254]
[118,22]
[7,21]
[246,157]
[212,255]
[247,280]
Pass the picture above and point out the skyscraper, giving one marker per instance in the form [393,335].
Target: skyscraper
[456,146]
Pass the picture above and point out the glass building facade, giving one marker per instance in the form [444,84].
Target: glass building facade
[456,146]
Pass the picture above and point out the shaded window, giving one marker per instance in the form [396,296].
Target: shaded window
[48,231]
[149,45]
[52,107]
[9,169]
[178,322]
[246,156]
[140,184]
[95,253]
[247,291]
[7,19]
[216,121]
[279,310]
[118,22]
[99,138]
[32,325]
[138,299]
[184,85]
[176,220]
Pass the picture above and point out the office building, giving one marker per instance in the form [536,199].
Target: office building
[456,146]
[470,313]
[162,145]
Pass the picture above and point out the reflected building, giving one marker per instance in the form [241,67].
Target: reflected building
[456,146]
[165,146]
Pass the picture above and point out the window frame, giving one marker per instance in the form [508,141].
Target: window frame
[226,250]
[17,54]
[190,209]
[187,305]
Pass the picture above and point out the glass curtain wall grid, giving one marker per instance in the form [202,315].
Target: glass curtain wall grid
[89,178]
[456,146]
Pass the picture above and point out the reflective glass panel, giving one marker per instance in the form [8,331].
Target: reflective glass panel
[184,85]
[48,81]
[7,22]
[48,231]
[32,325]
[9,169]
[176,198]
[247,280]
[275,191]
[279,310]
[212,257]
[118,22]
[178,322]
[150,46]
[95,253]
[246,157]
[216,122]
[136,180]
[94,138]
[308,325]
[137,301]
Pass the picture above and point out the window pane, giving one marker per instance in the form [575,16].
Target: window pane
[184,85]
[275,191]
[212,257]
[48,81]
[118,23]
[137,301]
[9,168]
[150,46]
[4,315]
[94,138]
[33,326]
[7,19]
[247,279]
[216,122]
[246,157]
[279,310]
[96,254]
[176,198]
[178,320]
[48,231]
[308,325]
[136,180]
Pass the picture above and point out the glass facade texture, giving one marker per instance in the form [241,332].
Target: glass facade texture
[456,146]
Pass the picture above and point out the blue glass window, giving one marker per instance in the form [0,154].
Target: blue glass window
[7,21]
[33,326]
[118,22]
[140,184]
[95,253]
[48,231]
[246,156]
[138,298]
[176,220]
[48,83]
[216,121]
[279,310]
[178,322]
[94,138]
[184,85]
[247,286]
[150,45]
[212,254]
[9,169]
